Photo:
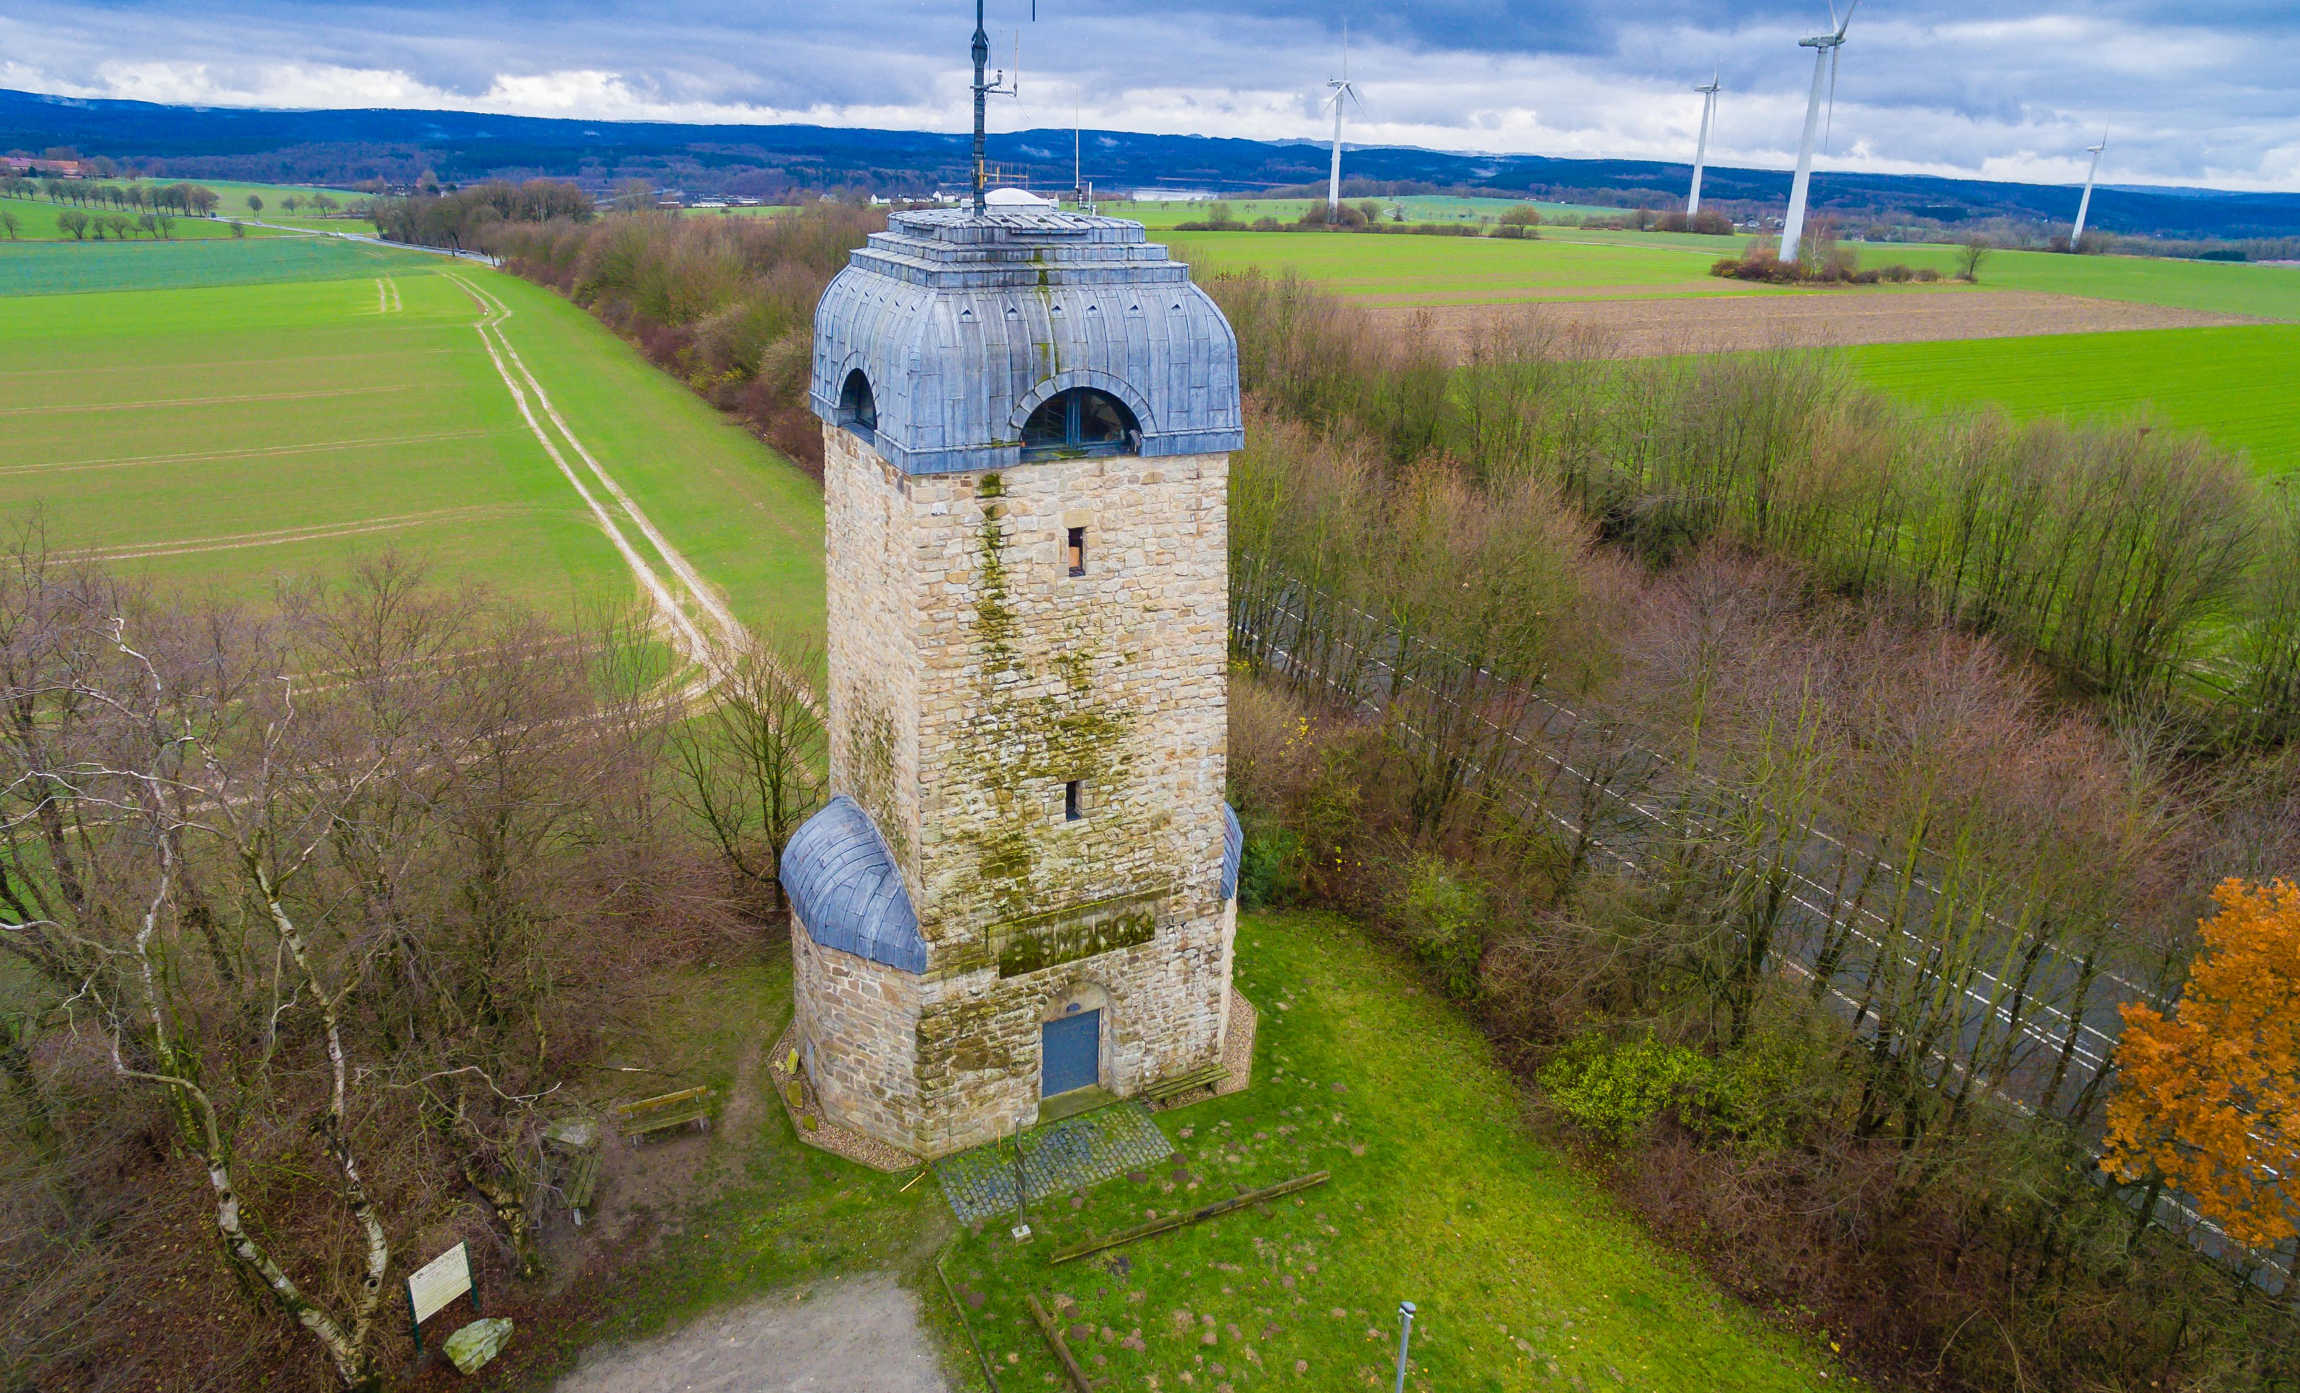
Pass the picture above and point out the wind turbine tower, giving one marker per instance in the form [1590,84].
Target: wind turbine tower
[2084,204]
[1825,47]
[1701,148]
[1343,90]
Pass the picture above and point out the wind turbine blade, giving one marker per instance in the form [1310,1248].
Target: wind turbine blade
[1848,21]
[1830,129]
[1832,14]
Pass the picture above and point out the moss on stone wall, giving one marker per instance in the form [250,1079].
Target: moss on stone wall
[1020,743]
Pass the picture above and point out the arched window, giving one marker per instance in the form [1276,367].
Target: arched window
[1079,422]
[858,409]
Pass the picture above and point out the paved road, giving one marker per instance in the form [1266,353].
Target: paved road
[459,255]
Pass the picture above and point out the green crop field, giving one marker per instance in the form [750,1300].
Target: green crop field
[2218,287]
[2233,384]
[1571,262]
[1418,208]
[1464,270]
[51,268]
[273,408]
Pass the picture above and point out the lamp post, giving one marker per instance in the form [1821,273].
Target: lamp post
[1405,1339]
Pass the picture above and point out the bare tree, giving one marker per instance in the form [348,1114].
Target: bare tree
[751,763]
[1970,254]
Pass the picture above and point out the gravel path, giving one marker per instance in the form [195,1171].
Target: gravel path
[853,1335]
[1724,323]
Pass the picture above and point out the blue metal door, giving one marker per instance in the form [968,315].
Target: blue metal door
[1073,1053]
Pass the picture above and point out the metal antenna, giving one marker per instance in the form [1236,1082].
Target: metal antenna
[986,86]
[981,111]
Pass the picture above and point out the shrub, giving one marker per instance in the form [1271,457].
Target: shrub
[1442,913]
[1272,866]
[1616,1091]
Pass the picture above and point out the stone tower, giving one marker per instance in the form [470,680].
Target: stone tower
[1024,883]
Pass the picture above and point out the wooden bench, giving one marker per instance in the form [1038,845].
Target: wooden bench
[1166,1090]
[663,1112]
[572,1146]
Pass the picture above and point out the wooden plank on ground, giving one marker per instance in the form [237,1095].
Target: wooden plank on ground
[1175,1221]
[1053,1334]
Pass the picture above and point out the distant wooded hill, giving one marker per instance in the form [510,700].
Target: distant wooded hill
[348,147]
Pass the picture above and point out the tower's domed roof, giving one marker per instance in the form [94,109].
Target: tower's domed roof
[960,326]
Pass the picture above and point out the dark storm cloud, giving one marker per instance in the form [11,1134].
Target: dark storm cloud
[2192,94]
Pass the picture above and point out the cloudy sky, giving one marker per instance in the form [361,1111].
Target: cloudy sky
[2194,93]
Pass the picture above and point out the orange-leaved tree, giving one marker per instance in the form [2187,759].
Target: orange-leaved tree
[2210,1095]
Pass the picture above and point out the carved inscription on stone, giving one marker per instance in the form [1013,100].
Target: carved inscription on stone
[1080,931]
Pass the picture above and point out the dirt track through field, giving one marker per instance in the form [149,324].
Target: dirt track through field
[1647,328]
[715,640]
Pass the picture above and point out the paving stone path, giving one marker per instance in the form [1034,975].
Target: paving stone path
[1056,1158]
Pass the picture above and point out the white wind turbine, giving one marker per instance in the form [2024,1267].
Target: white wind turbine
[1342,89]
[2084,204]
[1701,148]
[1824,48]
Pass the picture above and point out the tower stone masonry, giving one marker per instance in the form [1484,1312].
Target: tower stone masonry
[1024,885]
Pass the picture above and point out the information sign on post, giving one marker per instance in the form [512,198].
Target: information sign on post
[436,1283]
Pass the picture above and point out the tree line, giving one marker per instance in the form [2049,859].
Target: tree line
[2137,563]
[189,200]
[467,218]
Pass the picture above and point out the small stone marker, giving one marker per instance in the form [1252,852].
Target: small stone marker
[471,1347]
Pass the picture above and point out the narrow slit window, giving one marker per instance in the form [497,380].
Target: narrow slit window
[1074,551]
[1074,801]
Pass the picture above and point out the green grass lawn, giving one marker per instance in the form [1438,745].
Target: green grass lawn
[328,399]
[2233,384]
[1465,270]
[1525,1273]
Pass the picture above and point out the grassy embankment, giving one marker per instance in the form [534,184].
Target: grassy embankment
[223,413]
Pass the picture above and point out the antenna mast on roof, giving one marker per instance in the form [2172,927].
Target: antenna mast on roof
[985,87]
